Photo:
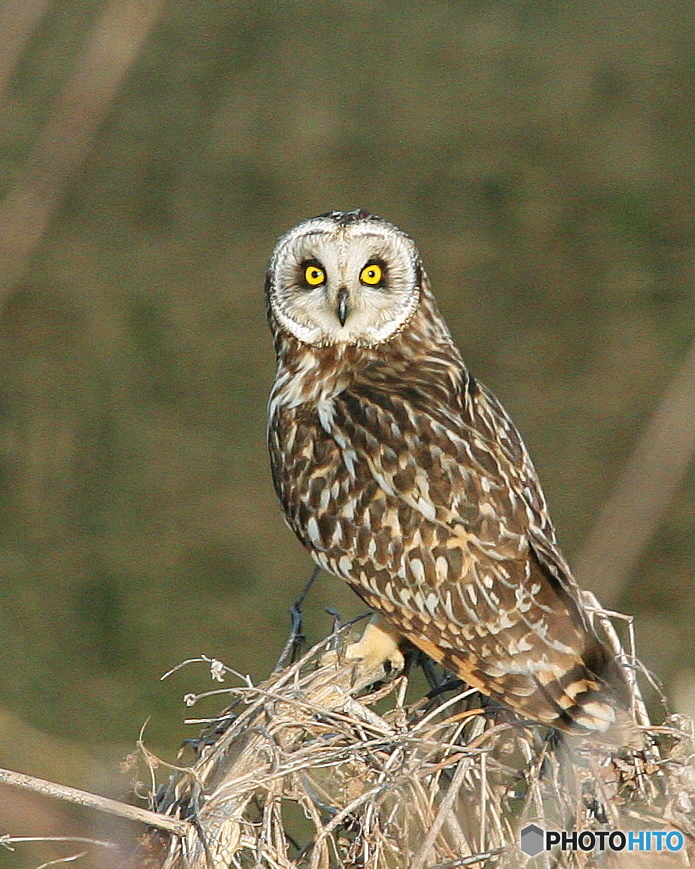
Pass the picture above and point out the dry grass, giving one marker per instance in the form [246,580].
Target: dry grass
[298,772]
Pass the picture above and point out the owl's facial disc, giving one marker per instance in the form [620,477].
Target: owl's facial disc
[332,283]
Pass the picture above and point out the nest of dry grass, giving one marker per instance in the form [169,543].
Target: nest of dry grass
[298,772]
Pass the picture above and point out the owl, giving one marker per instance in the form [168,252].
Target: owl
[404,476]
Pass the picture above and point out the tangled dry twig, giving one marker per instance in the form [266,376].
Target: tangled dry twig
[297,772]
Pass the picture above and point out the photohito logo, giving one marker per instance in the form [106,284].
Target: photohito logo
[533,839]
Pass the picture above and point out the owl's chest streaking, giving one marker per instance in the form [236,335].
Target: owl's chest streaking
[385,493]
[332,498]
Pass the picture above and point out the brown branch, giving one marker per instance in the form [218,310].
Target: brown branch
[387,785]
[93,801]
[393,785]
[633,513]
[18,21]
[111,48]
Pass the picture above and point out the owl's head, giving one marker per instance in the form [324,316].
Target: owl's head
[345,277]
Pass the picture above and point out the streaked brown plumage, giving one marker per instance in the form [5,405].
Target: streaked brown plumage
[406,478]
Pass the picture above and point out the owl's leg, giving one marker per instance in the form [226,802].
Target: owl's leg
[376,653]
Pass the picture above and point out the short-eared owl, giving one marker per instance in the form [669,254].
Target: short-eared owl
[404,476]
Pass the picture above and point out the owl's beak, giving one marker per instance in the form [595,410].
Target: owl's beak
[342,309]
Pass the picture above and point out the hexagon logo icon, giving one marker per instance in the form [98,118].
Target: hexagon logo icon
[531,840]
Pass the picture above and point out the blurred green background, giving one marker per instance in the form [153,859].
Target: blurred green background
[541,154]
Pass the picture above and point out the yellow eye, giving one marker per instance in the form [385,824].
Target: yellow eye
[372,274]
[314,275]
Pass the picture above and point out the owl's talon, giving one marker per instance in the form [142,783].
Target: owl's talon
[376,654]
[370,658]
[370,666]
[371,661]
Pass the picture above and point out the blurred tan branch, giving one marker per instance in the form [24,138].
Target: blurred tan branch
[93,801]
[18,21]
[111,48]
[302,770]
[633,513]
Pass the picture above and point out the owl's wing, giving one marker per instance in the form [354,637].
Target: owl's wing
[454,545]
[540,530]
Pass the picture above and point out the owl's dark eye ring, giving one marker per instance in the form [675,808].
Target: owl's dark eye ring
[373,274]
[313,273]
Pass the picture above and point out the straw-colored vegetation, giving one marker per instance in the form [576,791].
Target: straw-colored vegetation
[297,772]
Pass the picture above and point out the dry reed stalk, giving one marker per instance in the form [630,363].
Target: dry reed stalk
[111,48]
[297,772]
[646,487]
